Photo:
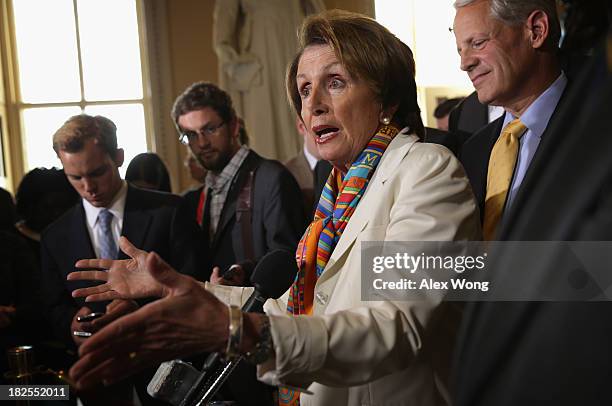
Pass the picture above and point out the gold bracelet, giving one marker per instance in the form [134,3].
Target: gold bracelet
[235,332]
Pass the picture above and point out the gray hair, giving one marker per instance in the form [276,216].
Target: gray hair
[515,12]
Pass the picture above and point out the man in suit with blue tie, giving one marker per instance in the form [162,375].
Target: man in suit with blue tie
[109,208]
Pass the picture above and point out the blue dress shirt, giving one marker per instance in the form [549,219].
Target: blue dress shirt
[536,119]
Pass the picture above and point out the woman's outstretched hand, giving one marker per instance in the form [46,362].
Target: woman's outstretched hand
[124,279]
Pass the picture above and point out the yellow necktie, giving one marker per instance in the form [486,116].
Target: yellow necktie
[501,168]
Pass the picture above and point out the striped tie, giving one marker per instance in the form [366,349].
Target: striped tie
[107,245]
[501,169]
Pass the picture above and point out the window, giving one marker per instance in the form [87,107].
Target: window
[72,57]
[424,27]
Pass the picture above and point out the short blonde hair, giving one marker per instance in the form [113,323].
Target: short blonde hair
[73,134]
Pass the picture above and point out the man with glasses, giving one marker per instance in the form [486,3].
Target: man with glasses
[240,187]
[247,207]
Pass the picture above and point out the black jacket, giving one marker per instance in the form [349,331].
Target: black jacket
[153,221]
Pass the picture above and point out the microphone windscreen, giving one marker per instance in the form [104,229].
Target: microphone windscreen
[274,273]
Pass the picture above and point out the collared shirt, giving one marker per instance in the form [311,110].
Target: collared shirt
[495,112]
[116,208]
[536,119]
[312,160]
[220,185]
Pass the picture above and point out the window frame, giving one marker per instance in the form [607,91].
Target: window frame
[15,154]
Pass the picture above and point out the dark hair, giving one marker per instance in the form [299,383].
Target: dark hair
[42,196]
[369,52]
[445,107]
[7,211]
[149,168]
[201,95]
[72,135]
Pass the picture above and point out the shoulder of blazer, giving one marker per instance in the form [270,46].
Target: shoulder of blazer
[479,145]
[138,198]
[191,199]
[193,194]
[485,135]
[256,164]
[65,222]
[396,152]
[252,161]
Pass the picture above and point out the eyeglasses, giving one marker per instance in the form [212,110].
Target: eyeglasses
[188,137]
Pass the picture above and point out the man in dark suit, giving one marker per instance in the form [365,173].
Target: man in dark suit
[87,148]
[509,50]
[247,207]
[551,353]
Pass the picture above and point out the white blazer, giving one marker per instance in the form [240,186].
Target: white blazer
[354,352]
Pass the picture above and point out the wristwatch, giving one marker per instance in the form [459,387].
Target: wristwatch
[264,349]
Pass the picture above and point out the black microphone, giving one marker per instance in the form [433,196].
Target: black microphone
[272,276]
[179,383]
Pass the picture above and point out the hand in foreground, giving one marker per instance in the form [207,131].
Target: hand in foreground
[78,326]
[114,310]
[187,321]
[234,276]
[125,279]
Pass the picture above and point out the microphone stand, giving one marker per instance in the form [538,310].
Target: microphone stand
[214,383]
[179,383]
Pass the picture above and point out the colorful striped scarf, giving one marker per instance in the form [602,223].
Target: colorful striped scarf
[337,204]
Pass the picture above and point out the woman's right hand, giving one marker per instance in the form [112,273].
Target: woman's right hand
[124,279]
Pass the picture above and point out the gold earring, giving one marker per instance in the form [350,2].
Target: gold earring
[386,120]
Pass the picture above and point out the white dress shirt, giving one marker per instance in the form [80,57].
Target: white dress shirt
[312,160]
[116,208]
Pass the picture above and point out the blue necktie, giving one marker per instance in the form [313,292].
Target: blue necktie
[107,245]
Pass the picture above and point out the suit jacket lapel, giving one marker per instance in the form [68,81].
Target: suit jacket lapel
[136,221]
[81,243]
[392,158]
[229,208]
[489,140]
[544,152]
[81,247]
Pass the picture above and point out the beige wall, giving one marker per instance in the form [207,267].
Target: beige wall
[191,51]
[359,6]
[192,58]
[190,30]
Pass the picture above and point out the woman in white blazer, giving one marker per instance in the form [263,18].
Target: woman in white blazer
[352,83]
